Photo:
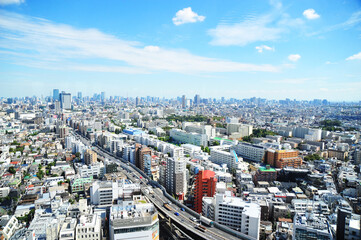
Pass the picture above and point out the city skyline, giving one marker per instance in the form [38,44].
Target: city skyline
[268,49]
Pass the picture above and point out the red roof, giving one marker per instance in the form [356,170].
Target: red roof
[15,162]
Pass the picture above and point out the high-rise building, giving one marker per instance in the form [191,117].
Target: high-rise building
[90,157]
[139,156]
[57,106]
[205,185]
[176,176]
[65,100]
[197,100]
[137,101]
[102,96]
[80,95]
[56,94]
[184,101]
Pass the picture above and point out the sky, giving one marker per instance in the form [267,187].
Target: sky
[236,49]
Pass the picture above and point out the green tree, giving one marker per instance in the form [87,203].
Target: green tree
[12,170]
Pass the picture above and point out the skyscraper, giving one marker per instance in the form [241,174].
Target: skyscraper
[65,100]
[56,94]
[80,95]
[197,99]
[184,101]
[102,96]
[137,101]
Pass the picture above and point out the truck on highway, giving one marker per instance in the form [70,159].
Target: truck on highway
[201,228]
[166,206]
[207,221]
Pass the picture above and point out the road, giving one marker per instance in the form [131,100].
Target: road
[158,198]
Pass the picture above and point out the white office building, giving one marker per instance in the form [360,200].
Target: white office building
[65,100]
[135,219]
[89,227]
[96,169]
[104,193]
[234,213]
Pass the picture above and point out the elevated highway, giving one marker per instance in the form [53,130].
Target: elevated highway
[160,197]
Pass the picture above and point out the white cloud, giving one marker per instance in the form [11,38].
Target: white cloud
[8,2]
[356,56]
[267,27]
[151,48]
[186,15]
[40,43]
[294,57]
[354,19]
[246,32]
[264,47]
[310,14]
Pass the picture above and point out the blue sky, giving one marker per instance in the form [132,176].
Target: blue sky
[272,49]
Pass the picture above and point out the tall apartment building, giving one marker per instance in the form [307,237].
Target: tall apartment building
[135,219]
[90,157]
[252,152]
[140,152]
[283,158]
[176,176]
[308,226]
[205,185]
[222,157]
[234,213]
[192,138]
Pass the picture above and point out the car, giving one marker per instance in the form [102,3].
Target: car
[152,196]
[182,209]
[176,213]
[193,219]
[140,177]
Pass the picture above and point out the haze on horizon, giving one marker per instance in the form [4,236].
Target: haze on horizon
[235,49]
